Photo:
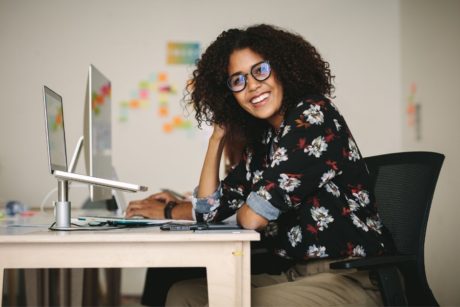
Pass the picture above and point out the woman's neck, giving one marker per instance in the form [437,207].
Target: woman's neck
[275,121]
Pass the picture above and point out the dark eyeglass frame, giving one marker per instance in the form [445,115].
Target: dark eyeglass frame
[245,76]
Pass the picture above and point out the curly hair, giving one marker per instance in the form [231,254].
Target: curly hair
[298,66]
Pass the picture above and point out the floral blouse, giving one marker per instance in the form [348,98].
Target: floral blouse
[309,180]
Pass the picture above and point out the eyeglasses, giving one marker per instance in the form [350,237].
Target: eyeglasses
[260,71]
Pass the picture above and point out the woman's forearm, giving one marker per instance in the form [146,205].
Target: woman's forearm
[248,219]
[209,178]
[182,211]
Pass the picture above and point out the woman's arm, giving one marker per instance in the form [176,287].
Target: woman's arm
[248,219]
[209,181]
[209,178]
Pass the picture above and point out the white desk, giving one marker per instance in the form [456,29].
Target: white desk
[225,254]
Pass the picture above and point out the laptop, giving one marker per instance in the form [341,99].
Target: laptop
[57,153]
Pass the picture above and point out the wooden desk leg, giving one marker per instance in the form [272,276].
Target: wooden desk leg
[229,278]
[246,274]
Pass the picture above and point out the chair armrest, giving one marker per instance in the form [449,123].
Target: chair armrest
[371,262]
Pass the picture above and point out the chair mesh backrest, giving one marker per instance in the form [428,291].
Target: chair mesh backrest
[404,187]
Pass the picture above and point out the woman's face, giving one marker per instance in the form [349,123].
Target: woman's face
[261,99]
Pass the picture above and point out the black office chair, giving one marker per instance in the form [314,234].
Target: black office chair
[404,184]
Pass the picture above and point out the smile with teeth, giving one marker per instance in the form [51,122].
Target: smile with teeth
[260,98]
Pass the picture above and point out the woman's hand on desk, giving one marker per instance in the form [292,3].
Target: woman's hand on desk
[149,208]
[153,206]
[164,197]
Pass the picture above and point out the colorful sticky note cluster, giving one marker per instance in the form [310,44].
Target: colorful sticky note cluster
[156,91]
[177,122]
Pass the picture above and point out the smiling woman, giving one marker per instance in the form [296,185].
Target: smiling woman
[300,180]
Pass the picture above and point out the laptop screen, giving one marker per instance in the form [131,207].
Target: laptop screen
[55,133]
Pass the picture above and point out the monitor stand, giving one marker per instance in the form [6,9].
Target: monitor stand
[62,205]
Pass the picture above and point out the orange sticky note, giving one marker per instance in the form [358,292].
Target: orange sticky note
[167,128]
[162,77]
[163,111]
[177,121]
[134,104]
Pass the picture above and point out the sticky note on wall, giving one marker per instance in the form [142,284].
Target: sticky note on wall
[182,52]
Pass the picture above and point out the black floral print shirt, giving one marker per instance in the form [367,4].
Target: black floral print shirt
[310,181]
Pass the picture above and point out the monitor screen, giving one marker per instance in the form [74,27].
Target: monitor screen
[98,131]
[54,117]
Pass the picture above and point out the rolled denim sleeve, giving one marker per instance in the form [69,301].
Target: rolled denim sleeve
[262,207]
[206,204]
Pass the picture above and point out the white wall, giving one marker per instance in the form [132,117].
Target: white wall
[52,42]
[430,59]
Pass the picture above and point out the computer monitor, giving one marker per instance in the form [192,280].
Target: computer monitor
[97,132]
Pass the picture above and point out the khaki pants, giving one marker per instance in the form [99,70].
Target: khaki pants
[312,284]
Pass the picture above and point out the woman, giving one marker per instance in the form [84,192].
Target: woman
[301,181]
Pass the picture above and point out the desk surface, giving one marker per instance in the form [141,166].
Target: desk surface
[224,253]
[35,229]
